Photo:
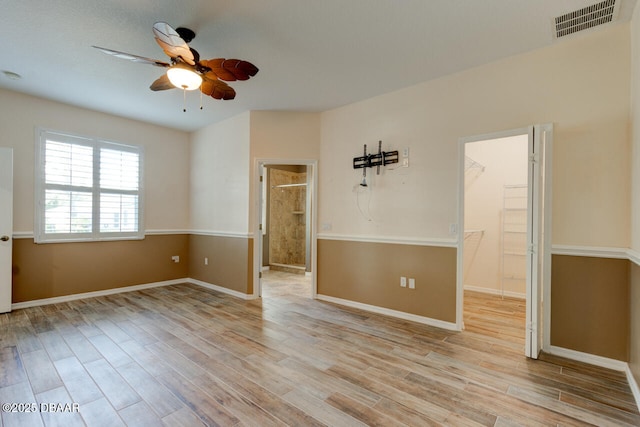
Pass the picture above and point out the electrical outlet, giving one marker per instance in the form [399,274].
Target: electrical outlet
[206,261]
[453,229]
[403,282]
[175,258]
[412,283]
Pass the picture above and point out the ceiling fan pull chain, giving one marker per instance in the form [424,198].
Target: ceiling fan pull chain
[184,100]
[201,100]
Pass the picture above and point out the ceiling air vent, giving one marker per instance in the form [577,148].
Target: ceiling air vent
[585,18]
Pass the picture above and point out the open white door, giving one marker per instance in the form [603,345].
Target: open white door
[538,235]
[6,227]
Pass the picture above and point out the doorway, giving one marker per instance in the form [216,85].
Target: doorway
[285,245]
[504,239]
[286,219]
[495,246]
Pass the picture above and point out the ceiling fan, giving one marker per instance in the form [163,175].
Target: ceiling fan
[186,71]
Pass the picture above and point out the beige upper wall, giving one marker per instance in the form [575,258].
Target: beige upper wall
[166,160]
[282,135]
[220,176]
[223,157]
[581,85]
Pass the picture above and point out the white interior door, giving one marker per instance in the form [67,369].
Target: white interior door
[538,236]
[6,226]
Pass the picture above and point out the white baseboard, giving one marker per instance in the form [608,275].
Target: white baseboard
[592,359]
[603,362]
[221,289]
[633,384]
[494,291]
[72,297]
[389,312]
[66,298]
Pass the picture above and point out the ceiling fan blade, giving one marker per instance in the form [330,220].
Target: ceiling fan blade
[230,69]
[241,69]
[133,58]
[217,89]
[172,43]
[218,71]
[162,83]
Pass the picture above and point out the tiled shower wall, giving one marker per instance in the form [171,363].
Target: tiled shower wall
[287,218]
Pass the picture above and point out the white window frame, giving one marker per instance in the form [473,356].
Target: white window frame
[40,236]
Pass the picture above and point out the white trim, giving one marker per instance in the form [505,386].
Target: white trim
[495,291]
[591,251]
[238,234]
[389,312]
[493,135]
[93,294]
[547,232]
[72,297]
[158,232]
[633,385]
[634,256]
[446,243]
[23,235]
[592,359]
[165,232]
[220,289]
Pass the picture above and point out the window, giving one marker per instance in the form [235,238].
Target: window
[87,189]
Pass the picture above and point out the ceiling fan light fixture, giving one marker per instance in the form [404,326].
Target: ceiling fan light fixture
[184,78]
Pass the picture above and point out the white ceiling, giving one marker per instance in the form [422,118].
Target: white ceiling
[313,55]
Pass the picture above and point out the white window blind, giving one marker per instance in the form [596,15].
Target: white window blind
[88,189]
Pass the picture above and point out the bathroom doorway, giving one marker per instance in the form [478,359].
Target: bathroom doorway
[286,229]
[285,245]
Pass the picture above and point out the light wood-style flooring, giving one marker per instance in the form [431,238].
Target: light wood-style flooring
[183,355]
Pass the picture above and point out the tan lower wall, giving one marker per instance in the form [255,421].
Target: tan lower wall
[230,261]
[369,273]
[590,305]
[58,269]
[634,345]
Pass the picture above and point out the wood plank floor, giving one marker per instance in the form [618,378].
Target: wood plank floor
[186,356]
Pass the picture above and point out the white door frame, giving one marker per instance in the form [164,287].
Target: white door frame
[312,177]
[6,227]
[537,336]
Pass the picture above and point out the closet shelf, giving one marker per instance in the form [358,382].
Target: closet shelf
[514,223]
